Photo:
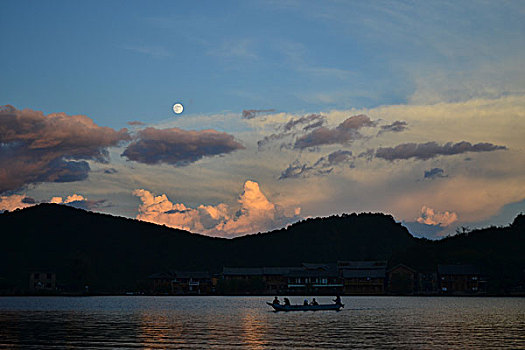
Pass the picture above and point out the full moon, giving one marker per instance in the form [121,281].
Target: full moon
[178,108]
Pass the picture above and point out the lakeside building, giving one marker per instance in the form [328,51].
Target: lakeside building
[42,281]
[346,277]
[305,279]
[427,283]
[460,279]
[195,282]
[160,282]
[315,279]
[274,279]
[182,282]
[343,277]
[363,277]
[402,280]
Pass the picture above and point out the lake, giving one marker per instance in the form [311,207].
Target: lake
[138,322]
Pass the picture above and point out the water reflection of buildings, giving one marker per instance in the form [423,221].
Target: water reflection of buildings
[159,331]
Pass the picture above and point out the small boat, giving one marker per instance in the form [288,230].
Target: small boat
[279,307]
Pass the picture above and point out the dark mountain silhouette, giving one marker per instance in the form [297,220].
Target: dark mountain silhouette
[111,254]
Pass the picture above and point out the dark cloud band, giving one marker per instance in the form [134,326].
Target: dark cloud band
[178,147]
[435,173]
[397,126]
[252,113]
[423,151]
[291,128]
[345,132]
[323,166]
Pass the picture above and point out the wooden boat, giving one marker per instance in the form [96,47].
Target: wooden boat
[280,307]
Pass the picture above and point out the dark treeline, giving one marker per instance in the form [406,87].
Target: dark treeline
[498,251]
[114,254]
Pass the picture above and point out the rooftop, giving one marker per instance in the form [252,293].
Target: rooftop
[255,271]
[366,273]
[458,270]
[360,265]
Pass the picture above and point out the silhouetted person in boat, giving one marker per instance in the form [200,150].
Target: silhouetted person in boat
[337,300]
[286,302]
[314,302]
[305,303]
[276,301]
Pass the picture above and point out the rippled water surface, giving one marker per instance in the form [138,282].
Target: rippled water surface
[248,323]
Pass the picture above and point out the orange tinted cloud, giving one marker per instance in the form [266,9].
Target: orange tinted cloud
[69,199]
[430,216]
[254,214]
[15,201]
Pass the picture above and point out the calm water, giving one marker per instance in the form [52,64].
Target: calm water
[247,323]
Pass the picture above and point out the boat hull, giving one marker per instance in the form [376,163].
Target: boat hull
[278,307]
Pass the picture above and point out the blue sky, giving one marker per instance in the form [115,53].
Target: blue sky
[121,61]
[117,61]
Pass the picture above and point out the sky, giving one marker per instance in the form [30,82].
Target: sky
[292,109]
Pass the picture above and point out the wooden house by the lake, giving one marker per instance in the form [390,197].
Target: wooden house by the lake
[42,281]
[363,277]
[402,280]
[460,279]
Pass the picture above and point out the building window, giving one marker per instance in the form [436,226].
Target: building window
[37,275]
[49,276]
